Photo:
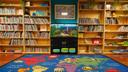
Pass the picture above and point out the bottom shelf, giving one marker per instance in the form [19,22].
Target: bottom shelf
[10,52]
[36,52]
[86,53]
[115,53]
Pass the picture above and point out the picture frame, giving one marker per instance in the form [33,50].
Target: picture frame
[64,11]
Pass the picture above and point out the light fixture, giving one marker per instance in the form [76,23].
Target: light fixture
[64,13]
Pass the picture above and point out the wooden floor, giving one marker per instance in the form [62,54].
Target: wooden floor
[121,58]
[5,58]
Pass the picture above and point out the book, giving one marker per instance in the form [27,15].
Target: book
[8,11]
[30,42]
[93,28]
[30,27]
[16,42]
[9,27]
[111,21]
[10,34]
[89,21]
[37,49]
[36,21]
[11,20]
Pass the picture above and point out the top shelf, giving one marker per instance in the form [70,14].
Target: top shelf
[38,0]
[10,1]
[107,1]
[120,1]
[89,0]
[91,9]
[37,6]
[16,6]
[115,10]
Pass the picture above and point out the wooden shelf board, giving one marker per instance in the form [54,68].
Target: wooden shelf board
[115,53]
[116,10]
[37,52]
[108,53]
[117,16]
[37,7]
[11,23]
[115,24]
[37,16]
[91,38]
[9,1]
[90,44]
[37,31]
[83,53]
[11,15]
[11,45]
[95,1]
[116,38]
[38,0]
[11,38]
[92,10]
[111,17]
[36,24]
[39,38]
[45,31]
[117,31]
[86,53]
[91,31]
[112,1]
[45,45]
[16,6]
[89,24]
[10,31]
[9,52]
[116,46]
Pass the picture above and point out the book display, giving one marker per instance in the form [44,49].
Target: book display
[37,26]
[103,26]
[116,26]
[11,26]
[25,26]
[91,26]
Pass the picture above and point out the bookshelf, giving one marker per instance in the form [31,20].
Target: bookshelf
[11,26]
[37,26]
[116,26]
[105,22]
[25,26]
[90,26]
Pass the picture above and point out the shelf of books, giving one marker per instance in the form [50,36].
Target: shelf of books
[91,26]
[116,26]
[37,26]
[11,26]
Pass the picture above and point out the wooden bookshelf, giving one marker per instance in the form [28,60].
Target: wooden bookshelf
[112,16]
[41,35]
[116,26]
[91,24]
[33,28]
[11,26]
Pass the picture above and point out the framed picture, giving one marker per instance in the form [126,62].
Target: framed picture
[64,11]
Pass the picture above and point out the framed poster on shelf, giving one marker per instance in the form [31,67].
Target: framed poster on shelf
[64,11]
